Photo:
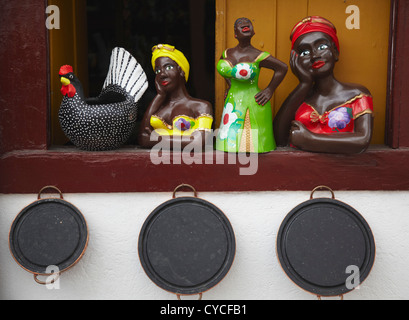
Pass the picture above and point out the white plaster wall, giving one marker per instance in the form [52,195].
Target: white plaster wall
[110,268]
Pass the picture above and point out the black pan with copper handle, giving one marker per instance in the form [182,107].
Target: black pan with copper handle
[325,246]
[187,245]
[49,234]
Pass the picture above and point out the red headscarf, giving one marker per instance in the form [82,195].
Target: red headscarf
[314,24]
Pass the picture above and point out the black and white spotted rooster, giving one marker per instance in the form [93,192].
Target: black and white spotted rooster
[107,121]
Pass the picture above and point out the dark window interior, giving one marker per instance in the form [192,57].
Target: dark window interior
[137,26]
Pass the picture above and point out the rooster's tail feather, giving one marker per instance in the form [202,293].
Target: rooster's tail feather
[127,73]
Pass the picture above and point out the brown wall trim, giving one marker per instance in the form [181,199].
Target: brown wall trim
[397,128]
[133,171]
[23,76]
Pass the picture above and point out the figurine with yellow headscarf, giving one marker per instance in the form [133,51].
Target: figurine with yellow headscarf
[174,114]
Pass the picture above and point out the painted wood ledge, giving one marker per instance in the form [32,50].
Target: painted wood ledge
[133,170]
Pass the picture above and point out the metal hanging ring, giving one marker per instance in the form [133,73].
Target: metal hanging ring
[50,187]
[183,186]
[200,297]
[341,297]
[46,283]
[320,188]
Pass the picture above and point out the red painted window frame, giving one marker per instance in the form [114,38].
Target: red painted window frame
[28,162]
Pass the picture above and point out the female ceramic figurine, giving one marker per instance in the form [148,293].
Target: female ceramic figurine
[173,113]
[322,114]
[247,122]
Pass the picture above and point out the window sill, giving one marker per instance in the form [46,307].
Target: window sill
[131,170]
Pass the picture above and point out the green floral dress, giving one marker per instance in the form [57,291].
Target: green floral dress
[246,126]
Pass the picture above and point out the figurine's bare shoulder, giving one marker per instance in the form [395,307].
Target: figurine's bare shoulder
[202,107]
[356,89]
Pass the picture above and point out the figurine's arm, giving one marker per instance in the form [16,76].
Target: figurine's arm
[146,130]
[346,143]
[179,143]
[280,70]
[286,114]
[198,139]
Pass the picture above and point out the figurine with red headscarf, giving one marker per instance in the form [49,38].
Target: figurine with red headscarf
[322,114]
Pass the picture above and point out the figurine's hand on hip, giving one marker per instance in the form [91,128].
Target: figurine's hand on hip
[263,97]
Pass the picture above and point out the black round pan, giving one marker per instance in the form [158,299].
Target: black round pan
[48,233]
[326,247]
[187,245]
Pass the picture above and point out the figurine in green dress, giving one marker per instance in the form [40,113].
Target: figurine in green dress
[247,121]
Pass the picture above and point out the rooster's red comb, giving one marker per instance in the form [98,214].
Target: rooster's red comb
[65,70]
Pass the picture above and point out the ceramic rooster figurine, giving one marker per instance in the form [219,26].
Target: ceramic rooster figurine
[107,121]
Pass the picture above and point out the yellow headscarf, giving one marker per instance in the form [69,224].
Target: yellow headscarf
[165,50]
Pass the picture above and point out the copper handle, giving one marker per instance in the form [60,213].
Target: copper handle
[200,297]
[50,187]
[183,186]
[341,297]
[320,188]
[46,283]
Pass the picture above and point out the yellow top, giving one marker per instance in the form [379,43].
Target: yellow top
[182,125]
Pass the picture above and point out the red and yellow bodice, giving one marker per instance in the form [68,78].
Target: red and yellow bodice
[181,125]
[339,119]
